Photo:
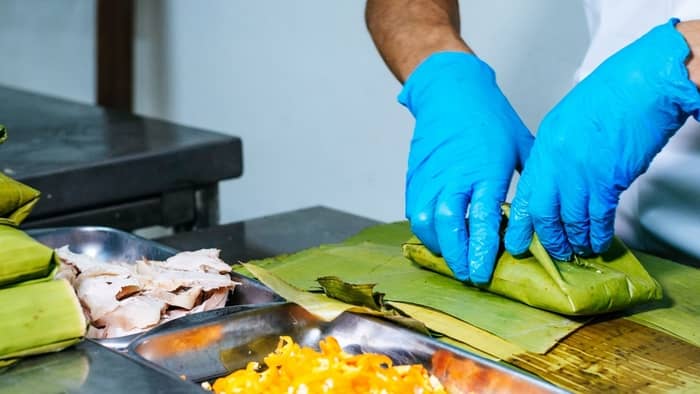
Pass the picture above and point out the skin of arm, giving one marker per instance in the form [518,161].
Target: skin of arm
[691,32]
[408,31]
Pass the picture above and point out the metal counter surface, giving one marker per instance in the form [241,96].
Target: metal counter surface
[273,235]
[96,166]
[89,368]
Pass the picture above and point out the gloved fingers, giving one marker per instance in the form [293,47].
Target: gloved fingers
[421,196]
[602,210]
[423,226]
[519,231]
[451,230]
[546,219]
[574,214]
[484,224]
[523,143]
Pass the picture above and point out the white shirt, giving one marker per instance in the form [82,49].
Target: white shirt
[660,212]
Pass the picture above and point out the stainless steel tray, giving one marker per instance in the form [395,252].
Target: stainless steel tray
[90,368]
[112,244]
[211,344]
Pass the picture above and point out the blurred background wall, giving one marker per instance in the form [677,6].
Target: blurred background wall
[299,81]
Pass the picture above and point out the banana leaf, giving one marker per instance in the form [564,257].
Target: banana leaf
[22,259]
[610,282]
[375,256]
[356,294]
[473,337]
[319,305]
[324,307]
[16,200]
[678,313]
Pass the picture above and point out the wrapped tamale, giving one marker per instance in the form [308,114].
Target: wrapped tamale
[609,282]
[37,314]
[39,318]
[22,259]
[16,200]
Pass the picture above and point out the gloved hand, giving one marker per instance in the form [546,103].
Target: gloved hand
[596,141]
[466,144]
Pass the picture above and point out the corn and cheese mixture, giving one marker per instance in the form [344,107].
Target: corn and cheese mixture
[292,369]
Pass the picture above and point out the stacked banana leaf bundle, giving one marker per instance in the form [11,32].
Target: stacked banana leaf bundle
[537,314]
[37,313]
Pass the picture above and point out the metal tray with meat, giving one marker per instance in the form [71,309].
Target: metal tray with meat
[99,247]
[209,345]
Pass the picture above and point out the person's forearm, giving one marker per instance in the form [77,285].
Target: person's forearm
[691,32]
[408,31]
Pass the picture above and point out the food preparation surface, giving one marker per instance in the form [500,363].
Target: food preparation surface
[606,355]
[89,368]
[273,235]
[612,354]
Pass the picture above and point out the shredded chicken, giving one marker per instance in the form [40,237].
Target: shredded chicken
[185,299]
[122,298]
[206,259]
[100,295]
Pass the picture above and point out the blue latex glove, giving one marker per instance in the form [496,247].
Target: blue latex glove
[596,141]
[466,144]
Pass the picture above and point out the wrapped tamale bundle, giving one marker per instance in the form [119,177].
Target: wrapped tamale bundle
[16,200]
[23,259]
[609,282]
[37,314]
[39,318]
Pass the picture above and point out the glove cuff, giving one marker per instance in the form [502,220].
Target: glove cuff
[669,42]
[437,72]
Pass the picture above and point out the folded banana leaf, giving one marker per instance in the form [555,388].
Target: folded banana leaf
[22,259]
[609,282]
[16,200]
[328,308]
[483,341]
[374,256]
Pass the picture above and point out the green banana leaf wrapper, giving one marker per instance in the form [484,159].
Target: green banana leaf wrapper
[22,259]
[16,200]
[613,281]
[375,256]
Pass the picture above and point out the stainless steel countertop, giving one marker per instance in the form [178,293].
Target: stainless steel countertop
[89,368]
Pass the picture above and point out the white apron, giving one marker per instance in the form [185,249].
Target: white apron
[660,212]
